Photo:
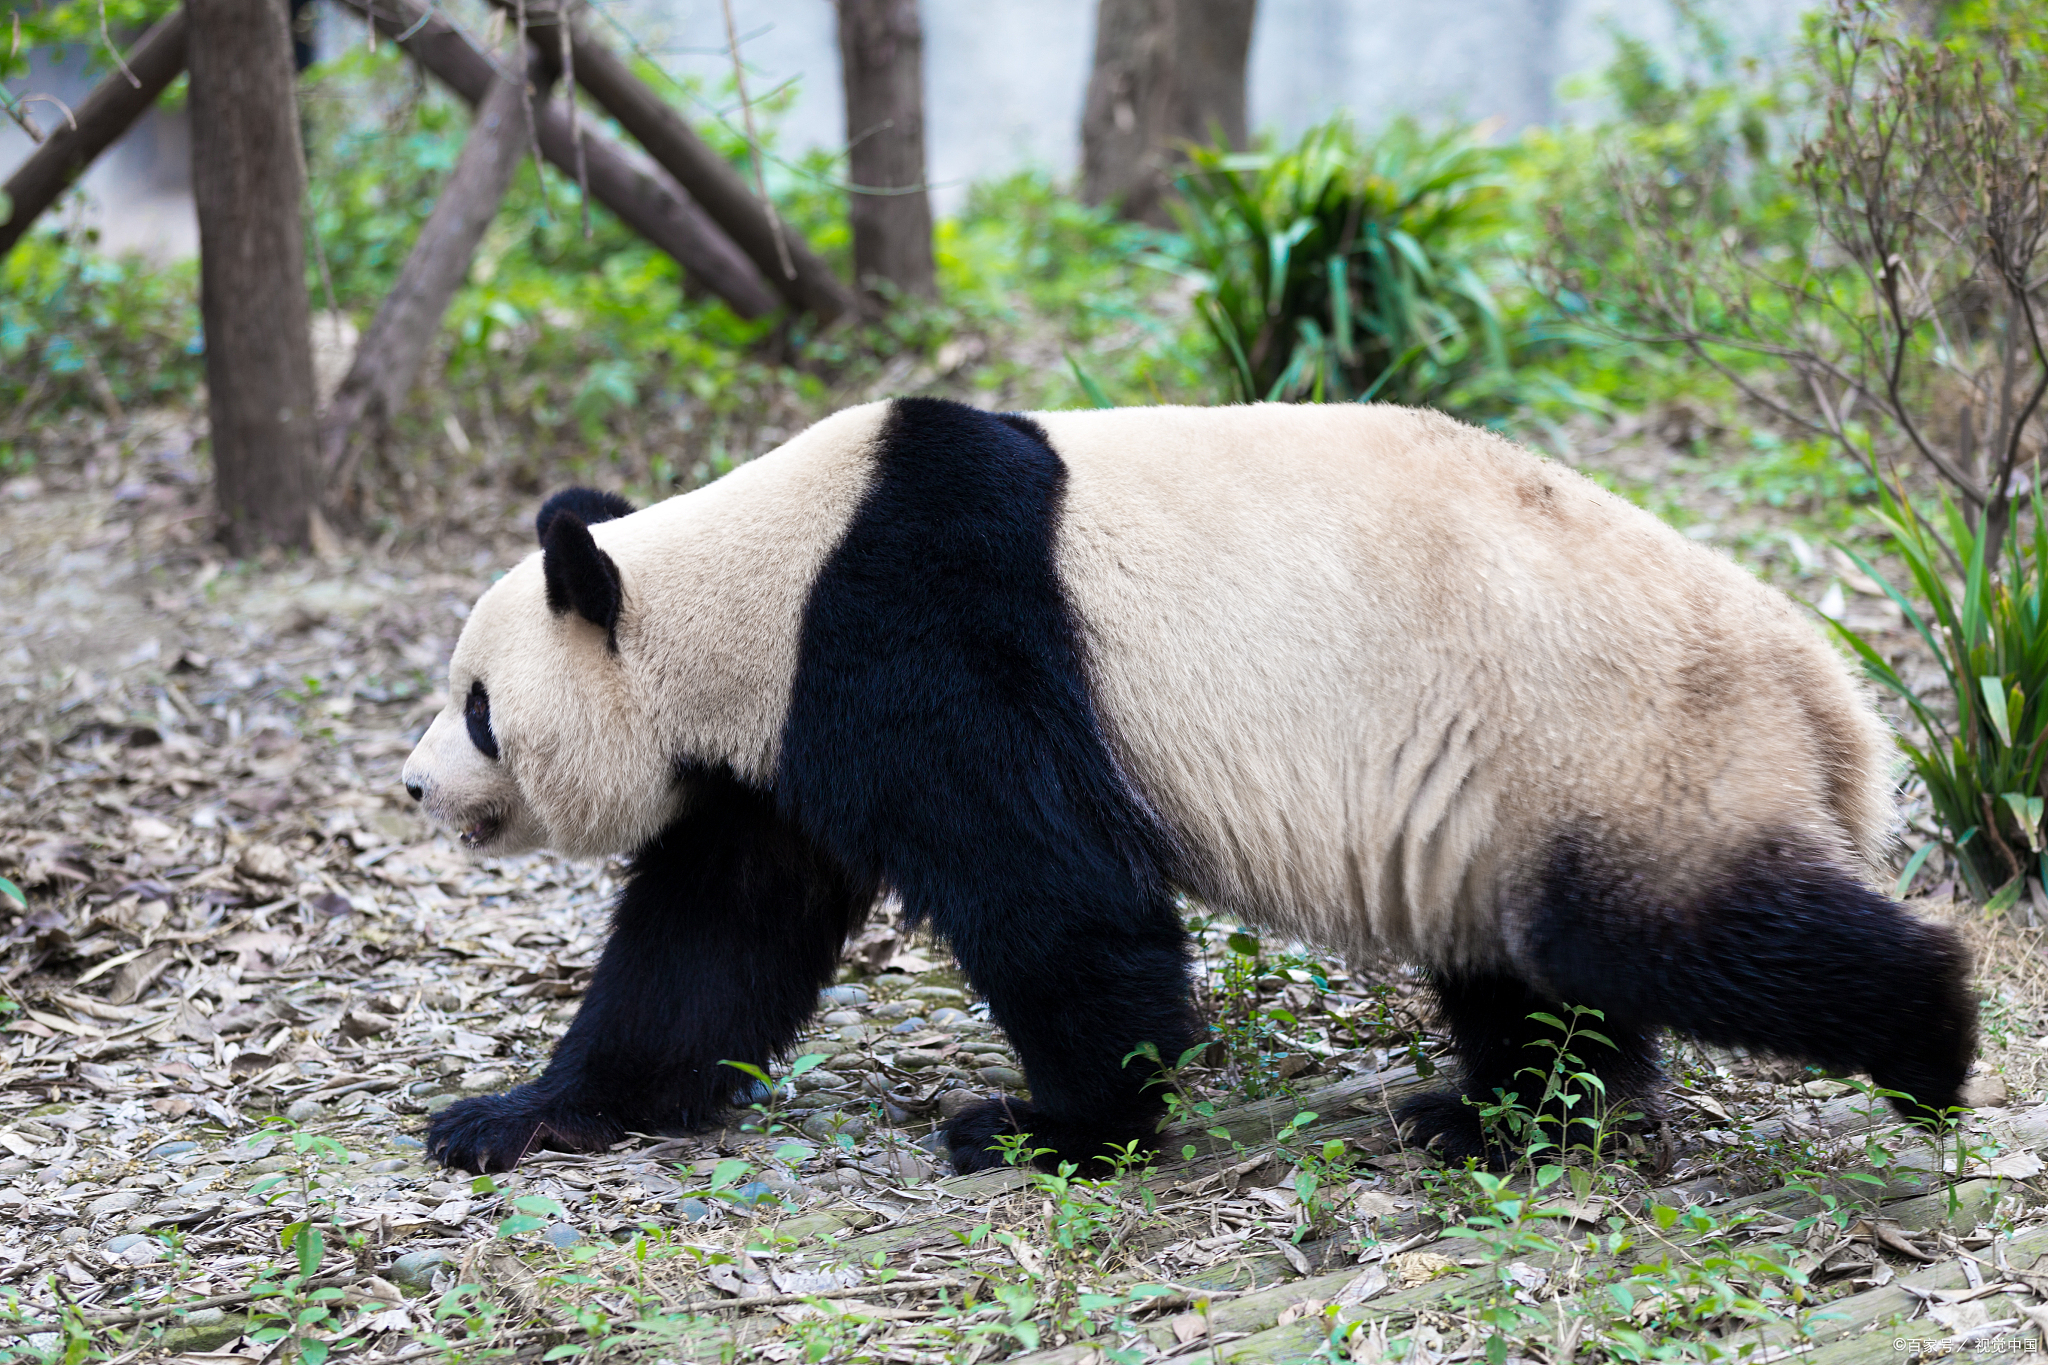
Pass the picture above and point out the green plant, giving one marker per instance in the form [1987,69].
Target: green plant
[1983,768]
[1344,269]
[299,1313]
[1571,1113]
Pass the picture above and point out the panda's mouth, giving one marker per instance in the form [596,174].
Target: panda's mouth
[480,832]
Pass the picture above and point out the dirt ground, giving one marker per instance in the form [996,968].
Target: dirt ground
[247,971]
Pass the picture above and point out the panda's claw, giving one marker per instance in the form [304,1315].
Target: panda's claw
[487,1134]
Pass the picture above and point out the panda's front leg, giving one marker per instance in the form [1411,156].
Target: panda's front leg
[729,923]
[1077,996]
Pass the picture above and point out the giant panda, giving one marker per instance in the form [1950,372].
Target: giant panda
[1361,674]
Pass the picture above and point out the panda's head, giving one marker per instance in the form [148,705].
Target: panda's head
[547,737]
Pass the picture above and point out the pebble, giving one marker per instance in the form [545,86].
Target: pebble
[120,1201]
[950,1017]
[172,1148]
[951,1102]
[842,995]
[917,1058]
[562,1235]
[436,1103]
[489,1079]
[405,1142]
[751,1193]
[831,1125]
[895,1009]
[946,995]
[416,1268]
[388,1164]
[418,1088]
[908,1166]
[305,1110]
[133,1248]
[911,1025]
[818,1078]
[840,1018]
[1001,1077]
[451,1213]
[695,1210]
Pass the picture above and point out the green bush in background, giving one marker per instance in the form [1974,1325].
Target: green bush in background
[1343,268]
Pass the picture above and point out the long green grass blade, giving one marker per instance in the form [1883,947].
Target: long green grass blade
[1994,706]
[1913,866]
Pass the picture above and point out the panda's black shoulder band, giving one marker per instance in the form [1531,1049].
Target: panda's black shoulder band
[580,576]
[587,505]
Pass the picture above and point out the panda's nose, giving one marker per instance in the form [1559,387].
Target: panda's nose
[414,789]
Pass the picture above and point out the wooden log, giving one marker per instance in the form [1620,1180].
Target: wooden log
[881,63]
[114,104]
[387,362]
[642,195]
[810,286]
[248,184]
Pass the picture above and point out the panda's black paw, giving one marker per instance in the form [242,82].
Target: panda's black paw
[972,1136]
[1444,1123]
[489,1133]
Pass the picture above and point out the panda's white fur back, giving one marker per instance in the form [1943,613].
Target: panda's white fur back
[1369,660]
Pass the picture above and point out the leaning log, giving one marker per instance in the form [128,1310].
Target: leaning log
[114,104]
[809,284]
[642,196]
[388,361]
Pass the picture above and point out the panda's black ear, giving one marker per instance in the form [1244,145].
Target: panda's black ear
[589,505]
[581,577]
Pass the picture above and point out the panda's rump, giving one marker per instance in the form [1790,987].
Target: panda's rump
[1370,664]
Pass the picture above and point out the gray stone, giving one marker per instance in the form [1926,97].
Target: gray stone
[388,1164]
[938,995]
[418,1088]
[911,1025]
[895,1009]
[751,1193]
[562,1235]
[840,1018]
[842,995]
[120,1201]
[126,1240]
[828,1127]
[1001,1077]
[951,1102]
[950,1018]
[416,1268]
[490,1078]
[819,1078]
[406,1142]
[695,1210]
[305,1110]
[436,1103]
[163,1149]
[917,1058]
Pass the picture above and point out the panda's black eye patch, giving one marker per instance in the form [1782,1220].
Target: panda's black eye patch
[477,712]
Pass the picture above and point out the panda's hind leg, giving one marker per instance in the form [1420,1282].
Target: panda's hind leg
[1784,953]
[1509,1053]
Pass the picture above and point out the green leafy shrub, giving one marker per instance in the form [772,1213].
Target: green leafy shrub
[79,329]
[1345,269]
[1983,768]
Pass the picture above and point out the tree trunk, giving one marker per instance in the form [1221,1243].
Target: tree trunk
[248,182]
[881,63]
[115,103]
[1167,73]
[655,124]
[642,195]
[387,363]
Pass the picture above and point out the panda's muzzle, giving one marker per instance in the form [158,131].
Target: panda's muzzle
[480,832]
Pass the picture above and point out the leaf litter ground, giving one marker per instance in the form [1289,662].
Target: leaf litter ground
[247,971]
